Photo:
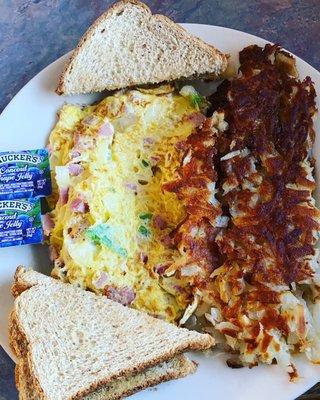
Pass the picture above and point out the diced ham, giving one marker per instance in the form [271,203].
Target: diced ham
[106,129]
[47,224]
[181,145]
[154,160]
[78,205]
[124,295]
[75,169]
[159,222]
[148,141]
[196,119]
[179,289]
[167,241]
[53,253]
[101,282]
[160,269]
[63,195]
[75,154]
[131,186]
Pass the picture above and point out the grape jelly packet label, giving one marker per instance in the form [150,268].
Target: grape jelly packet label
[20,222]
[24,174]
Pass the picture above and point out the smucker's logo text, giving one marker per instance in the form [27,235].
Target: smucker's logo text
[20,157]
[15,205]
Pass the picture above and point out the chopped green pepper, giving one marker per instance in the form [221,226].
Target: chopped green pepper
[145,216]
[196,99]
[144,231]
[103,234]
[145,163]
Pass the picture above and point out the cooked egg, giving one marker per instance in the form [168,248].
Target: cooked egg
[111,217]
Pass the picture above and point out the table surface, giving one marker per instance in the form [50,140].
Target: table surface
[36,32]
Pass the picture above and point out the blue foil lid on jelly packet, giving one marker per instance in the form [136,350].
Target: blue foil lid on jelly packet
[24,174]
[20,222]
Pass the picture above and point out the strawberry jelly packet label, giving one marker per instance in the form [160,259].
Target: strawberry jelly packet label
[20,222]
[24,174]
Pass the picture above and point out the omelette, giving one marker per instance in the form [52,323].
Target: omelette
[110,225]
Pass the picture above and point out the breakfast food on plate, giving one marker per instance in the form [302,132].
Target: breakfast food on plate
[24,174]
[111,227]
[128,46]
[264,298]
[207,221]
[20,222]
[72,344]
[25,177]
[254,276]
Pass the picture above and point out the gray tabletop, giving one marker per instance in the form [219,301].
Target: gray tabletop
[34,33]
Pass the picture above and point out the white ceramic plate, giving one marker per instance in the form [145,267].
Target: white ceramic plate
[26,124]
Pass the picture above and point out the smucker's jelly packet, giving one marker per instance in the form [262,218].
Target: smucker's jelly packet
[20,222]
[24,174]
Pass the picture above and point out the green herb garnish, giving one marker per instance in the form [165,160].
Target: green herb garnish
[196,100]
[145,216]
[145,163]
[144,231]
[103,234]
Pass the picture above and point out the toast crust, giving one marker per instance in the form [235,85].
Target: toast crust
[24,279]
[19,284]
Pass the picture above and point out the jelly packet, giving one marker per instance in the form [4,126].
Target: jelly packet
[24,179]
[20,222]
[24,174]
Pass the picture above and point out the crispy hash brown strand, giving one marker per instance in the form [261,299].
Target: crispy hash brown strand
[195,186]
[267,290]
